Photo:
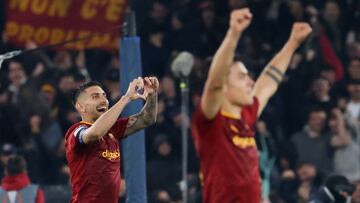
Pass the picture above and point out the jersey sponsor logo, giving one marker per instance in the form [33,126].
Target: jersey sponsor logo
[243,142]
[111,155]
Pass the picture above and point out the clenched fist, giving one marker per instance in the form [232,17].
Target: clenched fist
[240,19]
[299,32]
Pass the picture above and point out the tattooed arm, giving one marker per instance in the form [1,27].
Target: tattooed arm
[272,75]
[147,115]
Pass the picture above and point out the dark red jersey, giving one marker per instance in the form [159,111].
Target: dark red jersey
[228,156]
[95,167]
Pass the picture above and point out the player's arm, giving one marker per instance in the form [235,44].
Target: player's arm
[103,124]
[147,116]
[273,73]
[223,59]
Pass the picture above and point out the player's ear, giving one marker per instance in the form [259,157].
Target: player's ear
[79,107]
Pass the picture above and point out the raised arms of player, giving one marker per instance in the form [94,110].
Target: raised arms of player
[273,73]
[102,125]
[147,115]
[224,57]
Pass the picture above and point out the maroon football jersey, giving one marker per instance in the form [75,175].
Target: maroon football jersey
[95,167]
[228,156]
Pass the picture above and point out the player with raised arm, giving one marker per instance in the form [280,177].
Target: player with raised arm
[223,124]
[92,145]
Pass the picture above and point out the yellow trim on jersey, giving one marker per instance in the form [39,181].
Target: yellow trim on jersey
[87,123]
[230,115]
[233,128]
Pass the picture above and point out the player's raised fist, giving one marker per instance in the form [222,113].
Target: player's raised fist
[240,19]
[299,32]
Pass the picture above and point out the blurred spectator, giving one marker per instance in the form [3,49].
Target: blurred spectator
[16,186]
[356,194]
[82,70]
[353,49]
[353,106]
[10,125]
[235,4]
[210,30]
[298,188]
[66,84]
[312,144]
[183,36]
[17,78]
[345,139]
[48,93]
[155,47]
[336,189]
[353,73]
[319,96]
[154,50]
[112,85]
[169,93]
[334,27]
[158,16]
[329,74]
[57,170]
[163,126]
[62,60]
[6,151]
[290,12]
[163,173]
[267,151]
[354,69]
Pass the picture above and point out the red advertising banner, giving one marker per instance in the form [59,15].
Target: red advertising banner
[52,21]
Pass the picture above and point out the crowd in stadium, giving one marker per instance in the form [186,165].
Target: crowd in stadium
[309,129]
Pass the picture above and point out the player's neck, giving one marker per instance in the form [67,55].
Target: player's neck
[233,110]
[87,119]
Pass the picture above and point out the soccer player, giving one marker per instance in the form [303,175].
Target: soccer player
[92,146]
[223,124]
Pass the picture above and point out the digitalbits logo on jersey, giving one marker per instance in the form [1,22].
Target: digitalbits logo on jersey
[111,155]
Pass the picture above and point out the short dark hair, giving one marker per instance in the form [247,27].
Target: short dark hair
[15,165]
[315,109]
[82,88]
[321,78]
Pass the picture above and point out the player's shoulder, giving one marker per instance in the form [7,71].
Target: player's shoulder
[200,121]
[75,127]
